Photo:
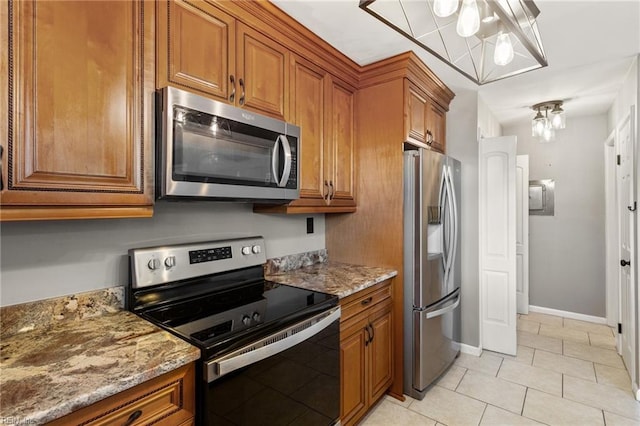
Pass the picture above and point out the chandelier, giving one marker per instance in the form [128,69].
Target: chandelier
[544,125]
[485,40]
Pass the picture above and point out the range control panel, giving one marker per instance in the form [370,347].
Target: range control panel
[163,264]
[209,255]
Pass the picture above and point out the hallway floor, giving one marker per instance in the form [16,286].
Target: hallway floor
[566,372]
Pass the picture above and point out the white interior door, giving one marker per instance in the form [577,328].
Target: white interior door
[611,234]
[522,234]
[497,216]
[627,224]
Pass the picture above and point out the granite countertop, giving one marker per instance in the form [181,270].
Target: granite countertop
[48,372]
[341,279]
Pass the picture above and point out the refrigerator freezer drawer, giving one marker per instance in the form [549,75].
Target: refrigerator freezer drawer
[436,336]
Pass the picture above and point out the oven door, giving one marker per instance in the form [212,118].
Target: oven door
[210,149]
[291,377]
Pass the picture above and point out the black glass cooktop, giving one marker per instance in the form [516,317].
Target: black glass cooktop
[219,315]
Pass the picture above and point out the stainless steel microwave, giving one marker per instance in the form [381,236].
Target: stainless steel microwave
[208,149]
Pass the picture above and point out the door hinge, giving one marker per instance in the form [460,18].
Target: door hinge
[619,328]
[618,159]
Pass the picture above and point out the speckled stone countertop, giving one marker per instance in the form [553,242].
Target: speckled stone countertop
[56,367]
[341,279]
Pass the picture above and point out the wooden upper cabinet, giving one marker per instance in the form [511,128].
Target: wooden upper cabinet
[425,120]
[437,124]
[307,111]
[341,147]
[416,121]
[78,81]
[195,47]
[323,107]
[204,49]
[262,73]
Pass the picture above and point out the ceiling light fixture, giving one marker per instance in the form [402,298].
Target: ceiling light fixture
[485,40]
[543,126]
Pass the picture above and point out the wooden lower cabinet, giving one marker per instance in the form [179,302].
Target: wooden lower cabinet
[366,351]
[166,400]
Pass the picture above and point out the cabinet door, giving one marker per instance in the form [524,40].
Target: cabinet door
[436,123]
[381,348]
[196,47]
[80,84]
[262,73]
[340,151]
[353,368]
[307,111]
[416,114]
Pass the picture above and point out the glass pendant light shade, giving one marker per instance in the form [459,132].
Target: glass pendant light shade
[558,120]
[469,19]
[503,54]
[444,8]
[538,125]
[548,134]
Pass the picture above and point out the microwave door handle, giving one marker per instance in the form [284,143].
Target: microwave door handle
[274,161]
[287,160]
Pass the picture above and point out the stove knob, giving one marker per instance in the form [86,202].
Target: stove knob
[256,317]
[153,264]
[246,250]
[256,249]
[246,320]
[170,261]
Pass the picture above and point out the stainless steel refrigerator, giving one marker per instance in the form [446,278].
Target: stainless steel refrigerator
[431,267]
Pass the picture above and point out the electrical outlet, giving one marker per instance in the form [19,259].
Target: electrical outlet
[309,225]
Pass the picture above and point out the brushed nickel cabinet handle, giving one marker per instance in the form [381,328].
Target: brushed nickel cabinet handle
[332,191]
[327,193]
[429,137]
[366,301]
[232,96]
[241,82]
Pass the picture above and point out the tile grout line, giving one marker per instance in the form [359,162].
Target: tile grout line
[524,400]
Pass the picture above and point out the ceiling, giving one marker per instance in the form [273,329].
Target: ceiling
[590,47]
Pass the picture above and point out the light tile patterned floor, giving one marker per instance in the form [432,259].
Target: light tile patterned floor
[566,372]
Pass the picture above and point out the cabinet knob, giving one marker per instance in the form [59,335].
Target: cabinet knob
[367,301]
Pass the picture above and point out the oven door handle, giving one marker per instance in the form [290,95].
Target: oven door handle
[270,345]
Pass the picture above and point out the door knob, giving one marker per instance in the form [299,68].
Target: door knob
[625,262]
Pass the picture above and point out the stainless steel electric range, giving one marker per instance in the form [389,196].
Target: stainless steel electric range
[270,352]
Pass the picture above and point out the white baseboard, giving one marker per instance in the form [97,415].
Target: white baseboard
[470,350]
[566,314]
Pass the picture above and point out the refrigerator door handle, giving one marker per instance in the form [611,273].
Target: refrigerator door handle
[444,310]
[452,224]
[454,216]
[441,199]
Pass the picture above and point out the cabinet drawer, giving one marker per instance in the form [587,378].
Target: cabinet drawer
[165,400]
[362,300]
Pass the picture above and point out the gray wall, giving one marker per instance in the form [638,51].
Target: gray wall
[567,251]
[462,144]
[44,259]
